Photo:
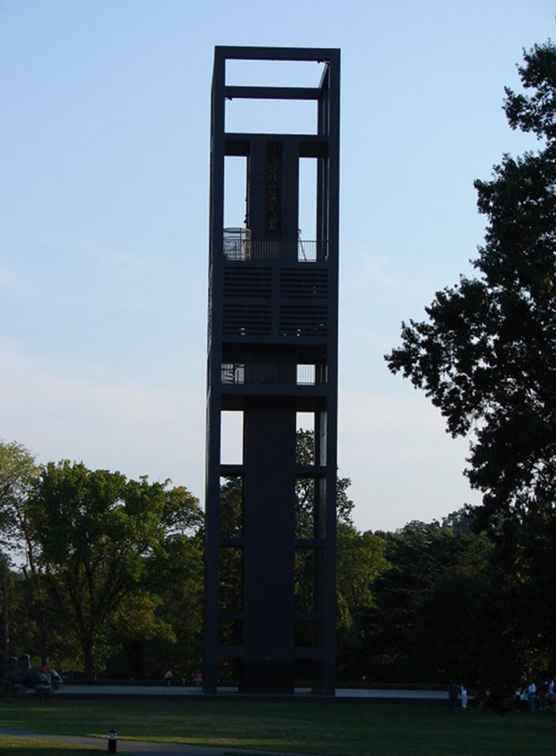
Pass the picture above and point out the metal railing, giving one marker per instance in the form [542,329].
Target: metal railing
[237,374]
[239,247]
[232,373]
[306,375]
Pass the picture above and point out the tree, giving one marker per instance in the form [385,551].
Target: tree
[304,489]
[18,473]
[231,507]
[95,530]
[360,561]
[432,607]
[486,355]
[175,576]
[418,555]
[231,496]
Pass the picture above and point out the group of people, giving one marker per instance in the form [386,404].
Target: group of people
[537,696]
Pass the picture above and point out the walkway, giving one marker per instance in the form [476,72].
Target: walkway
[176,691]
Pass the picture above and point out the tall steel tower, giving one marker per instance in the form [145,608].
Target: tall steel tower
[270,546]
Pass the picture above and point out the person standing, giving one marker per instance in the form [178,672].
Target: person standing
[464,696]
[551,693]
[532,696]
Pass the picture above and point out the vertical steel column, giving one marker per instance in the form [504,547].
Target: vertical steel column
[213,430]
[332,129]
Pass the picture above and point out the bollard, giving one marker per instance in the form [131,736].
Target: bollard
[112,741]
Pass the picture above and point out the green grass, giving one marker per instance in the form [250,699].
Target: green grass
[38,747]
[330,729]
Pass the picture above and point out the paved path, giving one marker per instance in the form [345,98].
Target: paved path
[379,694]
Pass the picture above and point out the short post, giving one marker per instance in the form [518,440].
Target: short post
[112,741]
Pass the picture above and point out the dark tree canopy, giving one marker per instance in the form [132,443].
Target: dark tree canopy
[486,355]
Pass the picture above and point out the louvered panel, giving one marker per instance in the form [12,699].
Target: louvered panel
[247,320]
[303,283]
[247,283]
[303,320]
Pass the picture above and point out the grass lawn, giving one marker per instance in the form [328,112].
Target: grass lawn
[330,729]
[36,747]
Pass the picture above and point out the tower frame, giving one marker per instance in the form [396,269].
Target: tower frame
[273,312]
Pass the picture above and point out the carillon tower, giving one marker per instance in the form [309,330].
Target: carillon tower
[272,353]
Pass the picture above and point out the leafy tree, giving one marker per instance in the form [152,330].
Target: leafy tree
[431,603]
[158,626]
[418,555]
[231,507]
[231,498]
[305,491]
[95,530]
[18,473]
[137,621]
[359,563]
[486,355]
[175,576]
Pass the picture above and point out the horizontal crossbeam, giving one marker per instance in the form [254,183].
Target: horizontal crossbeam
[273,93]
[316,54]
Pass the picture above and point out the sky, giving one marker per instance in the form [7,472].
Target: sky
[104,142]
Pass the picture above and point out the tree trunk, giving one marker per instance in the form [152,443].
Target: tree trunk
[89,659]
[42,621]
[5,613]
[137,649]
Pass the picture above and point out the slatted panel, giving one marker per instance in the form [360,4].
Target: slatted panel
[247,320]
[303,283]
[247,283]
[303,320]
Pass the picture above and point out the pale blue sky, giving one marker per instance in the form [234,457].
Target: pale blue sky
[103,235]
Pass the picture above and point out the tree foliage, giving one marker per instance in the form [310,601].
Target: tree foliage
[18,473]
[95,531]
[438,613]
[305,449]
[117,586]
[486,355]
